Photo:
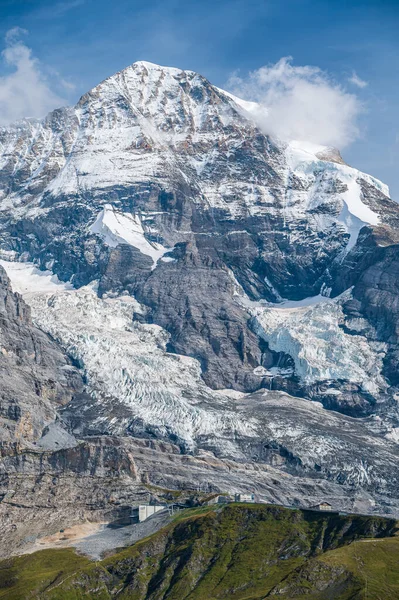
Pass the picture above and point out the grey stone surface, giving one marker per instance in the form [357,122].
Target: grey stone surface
[221,196]
[37,378]
[110,538]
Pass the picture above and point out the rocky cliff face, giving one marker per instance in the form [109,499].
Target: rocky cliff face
[372,268]
[214,287]
[37,379]
[156,172]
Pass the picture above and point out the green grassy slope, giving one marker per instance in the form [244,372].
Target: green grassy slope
[29,575]
[364,570]
[240,552]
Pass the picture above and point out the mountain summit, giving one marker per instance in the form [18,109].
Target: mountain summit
[224,294]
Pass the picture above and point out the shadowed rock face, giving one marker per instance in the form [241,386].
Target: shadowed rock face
[192,298]
[36,377]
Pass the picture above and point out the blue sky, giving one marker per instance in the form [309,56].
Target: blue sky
[80,42]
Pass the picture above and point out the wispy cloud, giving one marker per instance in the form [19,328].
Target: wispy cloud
[28,91]
[60,8]
[357,81]
[57,9]
[301,103]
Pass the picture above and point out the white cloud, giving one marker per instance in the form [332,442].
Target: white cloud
[357,81]
[301,103]
[26,91]
[13,35]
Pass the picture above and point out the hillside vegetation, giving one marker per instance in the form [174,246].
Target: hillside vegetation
[239,552]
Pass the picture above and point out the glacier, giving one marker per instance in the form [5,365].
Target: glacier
[311,331]
[314,337]
[226,342]
[128,361]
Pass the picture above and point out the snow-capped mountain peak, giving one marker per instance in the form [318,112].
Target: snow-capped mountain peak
[189,224]
[149,122]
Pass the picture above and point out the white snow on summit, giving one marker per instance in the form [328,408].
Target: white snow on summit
[161,127]
[319,171]
[247,105]
[305,159]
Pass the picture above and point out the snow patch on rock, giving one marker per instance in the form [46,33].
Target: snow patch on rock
[26,278]
[125,228]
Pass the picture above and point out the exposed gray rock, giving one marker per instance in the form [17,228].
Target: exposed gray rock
[36,376]
[194,205]
[102,478]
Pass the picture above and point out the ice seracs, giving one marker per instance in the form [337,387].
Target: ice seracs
[311,332]
[127,361]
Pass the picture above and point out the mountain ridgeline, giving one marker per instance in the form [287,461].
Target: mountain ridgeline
[235,553]
[190,303]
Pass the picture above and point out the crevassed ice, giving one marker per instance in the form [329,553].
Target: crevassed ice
[312,335]
[128,361]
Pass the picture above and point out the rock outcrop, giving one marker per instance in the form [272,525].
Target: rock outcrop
[220,289]
[37,378]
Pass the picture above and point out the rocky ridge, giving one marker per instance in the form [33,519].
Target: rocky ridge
[235,552]
[220,288]
[37,378]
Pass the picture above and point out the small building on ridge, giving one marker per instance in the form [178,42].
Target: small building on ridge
[324,506]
